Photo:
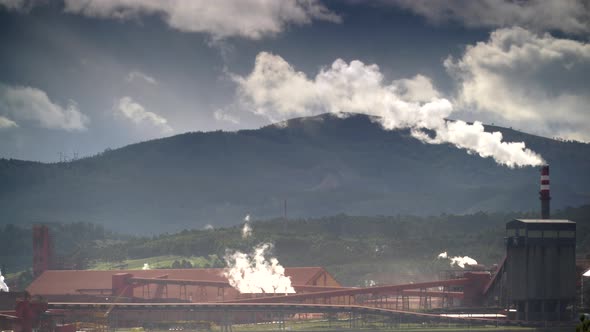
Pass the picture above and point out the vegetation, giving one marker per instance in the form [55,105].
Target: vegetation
[159,262]
[73,245]
[584,324]
[356,250]
[321,165]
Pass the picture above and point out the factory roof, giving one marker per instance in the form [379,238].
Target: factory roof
[545,221]
[71,282]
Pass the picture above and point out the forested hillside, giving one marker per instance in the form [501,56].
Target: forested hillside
[321,165]
[353,248]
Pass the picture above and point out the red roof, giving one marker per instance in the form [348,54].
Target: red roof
[54,283]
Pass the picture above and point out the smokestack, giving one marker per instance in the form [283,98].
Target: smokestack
[544,195]
[42,254]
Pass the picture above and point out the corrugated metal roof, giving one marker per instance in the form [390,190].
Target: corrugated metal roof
[68,282]
[546,221]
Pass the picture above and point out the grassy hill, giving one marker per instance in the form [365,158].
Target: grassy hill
[321,165]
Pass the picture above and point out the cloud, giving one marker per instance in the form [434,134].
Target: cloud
[534,82]
[137,75]
[28,104]
[135,112]
[417,89]
[277,91]
[568,16]
[251,19]
[16,5]
[7,123]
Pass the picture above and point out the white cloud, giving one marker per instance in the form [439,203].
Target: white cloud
[537,83]
[135,112]
[252,19]
[417,89]
[7,123]
[277,91]
[568,16]
[137,75]
[31,104]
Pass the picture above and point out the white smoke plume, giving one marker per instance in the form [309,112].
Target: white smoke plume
[3,285]
[253,273]
[462,261]
[277,91]
[247,229]
[369,283]
[146,266]
[458,260]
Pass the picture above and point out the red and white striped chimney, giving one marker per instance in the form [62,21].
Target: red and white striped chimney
[544,194]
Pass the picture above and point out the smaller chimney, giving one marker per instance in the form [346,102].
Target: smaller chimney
[42,253]
[544,195]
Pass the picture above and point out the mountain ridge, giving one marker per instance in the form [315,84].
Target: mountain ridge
[322,165]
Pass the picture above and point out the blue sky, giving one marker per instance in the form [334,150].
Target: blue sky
[77,77]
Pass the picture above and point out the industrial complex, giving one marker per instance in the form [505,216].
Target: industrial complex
[534,284]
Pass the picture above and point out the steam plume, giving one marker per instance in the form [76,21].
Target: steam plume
[246,230]
[3,285]
[275,90]
[253,273]
[458,260]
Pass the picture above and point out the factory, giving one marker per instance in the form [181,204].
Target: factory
[181,285]
[534,284]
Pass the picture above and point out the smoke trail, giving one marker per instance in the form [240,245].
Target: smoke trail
[253,273]
[274,89]
[458,260]
[246,230]
[3,285]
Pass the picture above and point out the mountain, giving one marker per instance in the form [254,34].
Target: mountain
[321,165]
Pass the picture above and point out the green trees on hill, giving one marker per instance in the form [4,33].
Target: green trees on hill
[322,165]
[356,249]
[353,247]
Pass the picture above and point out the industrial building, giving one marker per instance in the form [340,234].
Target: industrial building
[537,278]
[534,284]
[541,267]
[178,285]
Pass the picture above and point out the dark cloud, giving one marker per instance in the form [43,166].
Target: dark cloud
[568,16]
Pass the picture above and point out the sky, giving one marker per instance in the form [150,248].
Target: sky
[81,76]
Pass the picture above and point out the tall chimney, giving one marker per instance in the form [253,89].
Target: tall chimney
[544,193]
[41,250]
